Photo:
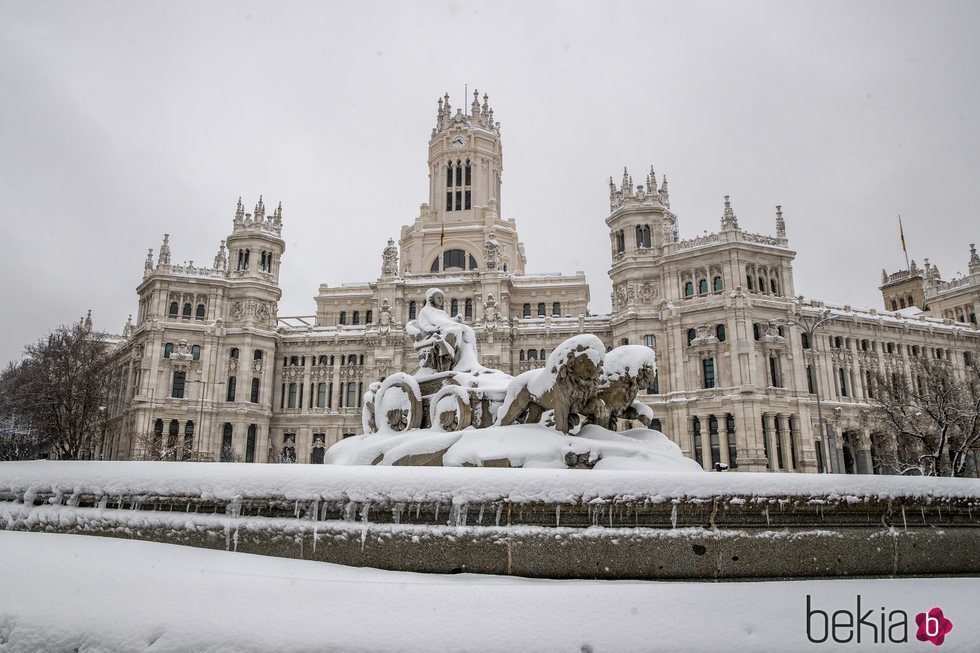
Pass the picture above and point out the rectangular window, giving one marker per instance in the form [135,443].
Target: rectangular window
[714,438]
[698,454]
[843,381]
[351,395]
[818,445]
[466,200]
[254,397]
[732,443]
[231,388]
[774,371]
[708,366]
[650,341]
[449,200]
[291,397]
[178,387]
[282,397]
[321,395]
[459,200]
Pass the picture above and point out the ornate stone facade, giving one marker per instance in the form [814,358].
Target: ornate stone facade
[210,363]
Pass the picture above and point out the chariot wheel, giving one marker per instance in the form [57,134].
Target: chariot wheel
[449,409]
[398,404]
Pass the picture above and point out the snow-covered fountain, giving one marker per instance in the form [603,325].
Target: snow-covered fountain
[455,412]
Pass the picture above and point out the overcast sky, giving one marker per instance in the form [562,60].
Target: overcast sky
[121,121]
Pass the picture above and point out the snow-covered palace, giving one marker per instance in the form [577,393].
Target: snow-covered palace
[210,369]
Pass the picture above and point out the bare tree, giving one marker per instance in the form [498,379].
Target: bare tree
[932,419]
[58,387]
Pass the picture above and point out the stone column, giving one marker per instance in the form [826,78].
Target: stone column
[863,463]
[706,442]
[796,443]
[723,436]
[769,433]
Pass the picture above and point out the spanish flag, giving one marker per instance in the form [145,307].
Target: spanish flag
[442,236]
[901,234]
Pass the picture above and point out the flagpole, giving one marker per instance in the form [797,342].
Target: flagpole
[901,235]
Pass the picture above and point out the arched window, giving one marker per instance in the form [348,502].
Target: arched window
[688,289]
[435,265]
[541,309]
[449,175]
[912,303]
[369,317]
[556,309]
[356,318]
[454,307]
[168,349]
[468,309]
[187,310]
[894,305]
[411,310]
[521,355]
[467,179]
[157,436]
[177,391]
[643,235]
[323,360]
[257,355]
[762,284]
[691,335]
[233,353]
[773,286]
[196,352]
[227,445]
[200,312]
[532,355]
[720,332]
[527,310]
[343,317]
[254,395]
[453,259]
[174,308]
[748,282]
[717,284]
[703,287]
[352,359]
[185,453]
[291,400]
[250,444]
[294,361]
[620,242]
[172,432]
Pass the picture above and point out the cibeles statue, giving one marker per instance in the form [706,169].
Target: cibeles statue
[443,343]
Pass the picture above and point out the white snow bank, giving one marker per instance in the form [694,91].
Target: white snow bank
[65,592]
[628,360]
[228,481]
[523,445]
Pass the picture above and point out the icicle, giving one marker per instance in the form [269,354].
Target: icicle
[479,517]
[767,515]
[557,516]
[673,516]
[923,511]
[500,510]
[315,536]
[904,523]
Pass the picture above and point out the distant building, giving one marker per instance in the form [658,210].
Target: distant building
[211,371]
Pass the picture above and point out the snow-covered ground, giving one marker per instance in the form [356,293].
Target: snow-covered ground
[74,593]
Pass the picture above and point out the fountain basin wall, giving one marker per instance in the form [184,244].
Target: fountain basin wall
[529,522]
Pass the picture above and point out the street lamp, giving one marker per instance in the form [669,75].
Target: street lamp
[809,325]
[200,423]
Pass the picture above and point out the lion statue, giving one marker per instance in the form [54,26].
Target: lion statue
[626,370]
[566,385]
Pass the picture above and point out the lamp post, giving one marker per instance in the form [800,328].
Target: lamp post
[200,423]
[809,325]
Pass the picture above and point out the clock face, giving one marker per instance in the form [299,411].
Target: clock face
[458,141]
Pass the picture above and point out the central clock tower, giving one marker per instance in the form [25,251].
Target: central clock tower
[461,221]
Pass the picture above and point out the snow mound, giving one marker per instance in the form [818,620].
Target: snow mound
[518,445]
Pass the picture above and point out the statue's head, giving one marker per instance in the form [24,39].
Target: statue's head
[435,297]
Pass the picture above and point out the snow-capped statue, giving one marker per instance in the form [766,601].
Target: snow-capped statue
[491,252]
[389,265]
[441,342]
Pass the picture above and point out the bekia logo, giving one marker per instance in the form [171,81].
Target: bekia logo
[873,626]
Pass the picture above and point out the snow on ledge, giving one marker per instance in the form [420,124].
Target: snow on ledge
[230,481]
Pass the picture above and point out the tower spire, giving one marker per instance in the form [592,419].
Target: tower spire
[780,224]
[728,219]
[164,251]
